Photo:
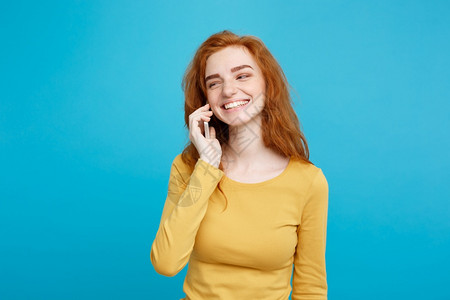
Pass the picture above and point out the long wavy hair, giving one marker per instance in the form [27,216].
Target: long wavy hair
[280,126]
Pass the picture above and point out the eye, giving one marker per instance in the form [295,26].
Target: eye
[211,84]
[243,75]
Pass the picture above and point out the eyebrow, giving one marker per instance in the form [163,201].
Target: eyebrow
[235,69]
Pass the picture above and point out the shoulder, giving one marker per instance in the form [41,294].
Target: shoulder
[178,161]
[180,168]
[319,182]
[305,169]
[308,177]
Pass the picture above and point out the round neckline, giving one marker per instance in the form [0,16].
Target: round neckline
[232,182]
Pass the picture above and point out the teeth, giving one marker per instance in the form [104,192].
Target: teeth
[235,104]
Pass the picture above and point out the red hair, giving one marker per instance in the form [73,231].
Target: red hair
[280,126]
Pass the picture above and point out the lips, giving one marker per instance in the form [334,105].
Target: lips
[234,100]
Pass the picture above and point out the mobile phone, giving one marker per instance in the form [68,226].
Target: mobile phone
[206,126]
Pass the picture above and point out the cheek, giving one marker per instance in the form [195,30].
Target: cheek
[213,97]
[262,86]
[258,93]
[257,87]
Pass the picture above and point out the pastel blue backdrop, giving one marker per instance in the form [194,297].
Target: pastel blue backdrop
[91,117]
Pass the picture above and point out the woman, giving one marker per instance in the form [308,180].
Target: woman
[245,205]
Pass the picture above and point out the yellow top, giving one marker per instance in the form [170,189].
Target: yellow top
[246,251]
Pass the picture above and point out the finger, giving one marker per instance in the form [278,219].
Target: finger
[199,118]
[197,115]
[202,119]
[203,108]
[212,133]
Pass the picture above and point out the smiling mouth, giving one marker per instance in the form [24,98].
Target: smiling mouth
[235,104]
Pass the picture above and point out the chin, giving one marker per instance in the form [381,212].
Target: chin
[239,121]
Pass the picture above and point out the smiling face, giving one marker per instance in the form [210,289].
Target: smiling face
[233,76]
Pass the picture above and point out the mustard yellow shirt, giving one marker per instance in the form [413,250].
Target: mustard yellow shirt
[270,232]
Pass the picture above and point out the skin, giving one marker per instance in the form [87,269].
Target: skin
[247,83]
[245,162]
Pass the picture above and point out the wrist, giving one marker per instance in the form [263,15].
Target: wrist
[214,164]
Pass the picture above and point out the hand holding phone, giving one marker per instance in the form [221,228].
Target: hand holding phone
[207,145]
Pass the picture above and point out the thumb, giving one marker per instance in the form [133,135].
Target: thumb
[212,133]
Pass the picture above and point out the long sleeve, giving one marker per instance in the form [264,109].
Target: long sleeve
[309,278]
[184,209]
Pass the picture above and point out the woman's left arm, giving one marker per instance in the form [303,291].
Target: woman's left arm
[310,279]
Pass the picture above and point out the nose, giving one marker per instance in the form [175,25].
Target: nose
[229,88]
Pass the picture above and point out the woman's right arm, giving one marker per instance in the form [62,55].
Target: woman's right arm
[187,199]
[184,209]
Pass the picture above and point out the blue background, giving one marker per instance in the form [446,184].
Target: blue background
[91,117]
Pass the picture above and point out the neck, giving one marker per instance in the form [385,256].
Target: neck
[245,147]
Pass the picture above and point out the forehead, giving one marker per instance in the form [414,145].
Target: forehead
[227,58]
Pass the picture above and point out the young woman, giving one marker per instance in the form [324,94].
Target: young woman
[245,207]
